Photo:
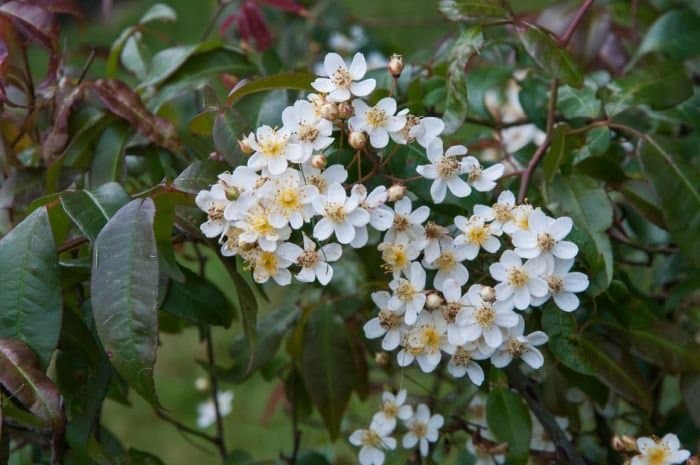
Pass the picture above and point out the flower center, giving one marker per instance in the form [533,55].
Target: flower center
[389,319]
[268,262]
[448,167]
[430,338]
[501,212]
[658,456]
[335,211]
[419,429]
[434,231]
[307,132]
[390,409]
[401,223]
[258,222]
[308,259]
[405,290]
[446,261]
[474,174]
[478,234]
[274,146]
[485,316]
[451,310]
[341,78]
[370,438]
[556,284]
[515,347]
[395,256]
[215,211]
[289,199]
[376,117]
[462,356]
[545,241]
[318,181]
[517,277]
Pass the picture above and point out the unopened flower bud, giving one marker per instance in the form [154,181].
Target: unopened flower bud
[215,156]
[245,147]
[381,359]
[395,65]
[329,111]
[345,110]
[624,443]
[396,192]
[488,294]
[433,300]
[357,140]
[232,193]
[319,161]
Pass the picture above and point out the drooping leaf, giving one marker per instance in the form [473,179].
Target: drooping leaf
[456,104]
[124,292]
[166,202]
[557,152]
[327,364]
[676,182]
[33,19]
[676,34]
[21,375]
[108,160]
[158,12]
[554,60]
[473,10]
[85,211]
[509,420]
[31,303]
[132,57]
[168,61]
[198,301]
[58,136]
[291,80]
[199,175]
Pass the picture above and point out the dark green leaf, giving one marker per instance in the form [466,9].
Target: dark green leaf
[199,175]
[578,103]
[556,153]
[31,304]
[167,61]
[132,56]
[124,292]
[509,420]
[641,196]
[293,80]
[676,182]
[22,375]
[676,34]
[85,212]
[690,388]
[468,44]
[111,196]
[473,10]
[108,160]
[166,201]
[228,129]
[327,364]
[561,329]
[137,457]
[270,110]
[198,301]
[550,56]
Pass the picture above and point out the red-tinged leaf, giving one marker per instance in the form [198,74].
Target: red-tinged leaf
[33,20]
[125,103]
[22,377]
[57,138]
[58,6]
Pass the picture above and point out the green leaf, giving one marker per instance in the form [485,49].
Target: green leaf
[166,201]
[676,182]
[270,110]
[169,60]
[31,303]
[85,211]
[553,59]
[561,329]
[158,12]
[291,80]
[199,175]
[23,377]
[509,420]
[556,153]
[111,196]
[657,347]
[586,202]
[124,292]
[132,57]
[468,44]
[198,301]
[578,103]
[108,160]
[327,366]
[228,129]
[270,332]
[473,10]
[690,388]
[676,34]
[614,369]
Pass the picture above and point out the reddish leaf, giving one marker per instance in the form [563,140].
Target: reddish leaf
[250,25]
[22,377]
[58,6]
[33,20]
[57,138]
[125,103]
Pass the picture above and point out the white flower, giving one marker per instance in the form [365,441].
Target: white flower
[454,304]
[206,413]
[398,256]
[290,199]
[434,236]
[340,215]
[408,293]
[462,363]
[380,215]
[422,130]
[406,223]
[387,323]
[476,234]
[540,440]
[214,203]
[483,180]
[519,219]
[334,174]
[545,236]
[377,121]
[255,226]
[517,345]
[445,169]
[268,265]
[424,342]
[483,455]
[422,429]
[486,319]
[499,213]
[393,407]
[521,282]
[339,84]
[273,150]
[314,263]
[562,285]
[664,451]
[373,442]
[306,128]
[449,264]
[477,412]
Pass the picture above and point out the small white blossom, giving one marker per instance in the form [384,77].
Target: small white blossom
[214,203]
[545,236]
[462,363]
[387,323]
[422,429]
[454,304]
[307,129]
[521,282]
[449,264]
[255,226]
[562,284]
[393,407]
[340,82]
[475,235]
[445,170]
[268,265]
[206,412]
[334,174]
[408,295]
[406,223]
[519,219]
[434,236]
[424,342]
[314,263]
[340,215]
[373,441]
[485,321]
[664,451]
[273,150]
[377,121]
[481,179]
[422,130]
[290,199]
[398,257]
[516,345]
[499,213]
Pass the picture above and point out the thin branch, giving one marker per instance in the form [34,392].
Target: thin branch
[214,382]
[184,428]
[568,34]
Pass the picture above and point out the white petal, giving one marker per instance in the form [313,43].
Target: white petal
[565,250]
[566,301]
[358,67]
[363,88]
[323,85]
[458,187]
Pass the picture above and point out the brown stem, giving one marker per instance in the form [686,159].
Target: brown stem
[568,34]
[539,153]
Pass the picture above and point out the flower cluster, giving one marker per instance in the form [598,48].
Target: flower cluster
[422,428]
[286,213]
[652,450]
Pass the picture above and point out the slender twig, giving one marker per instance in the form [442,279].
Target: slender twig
[620,237]
[568,34]
[539,153]
[184,428]
[72,244]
